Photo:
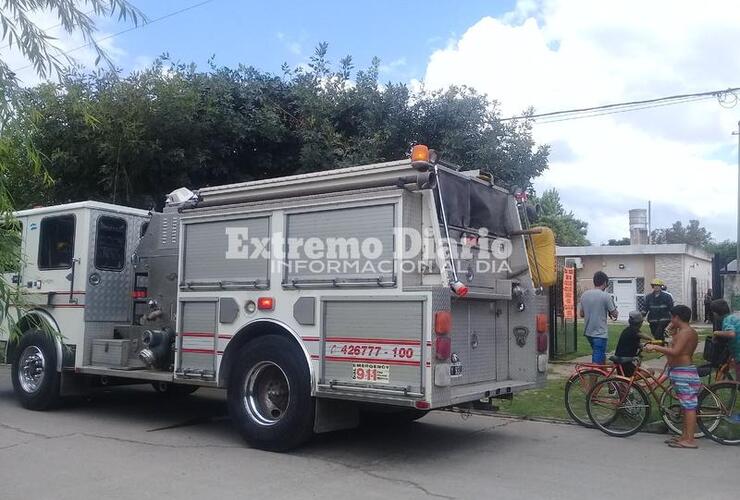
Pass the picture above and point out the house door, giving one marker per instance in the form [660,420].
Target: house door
[625,293]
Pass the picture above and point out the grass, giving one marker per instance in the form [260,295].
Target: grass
[546,402]
[583,348]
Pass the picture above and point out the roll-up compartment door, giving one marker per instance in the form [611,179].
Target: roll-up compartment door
[354,243]
[234,251]
[375,343]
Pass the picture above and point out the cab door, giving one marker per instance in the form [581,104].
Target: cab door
[52,274]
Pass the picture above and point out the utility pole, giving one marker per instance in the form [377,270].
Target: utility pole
[737,262]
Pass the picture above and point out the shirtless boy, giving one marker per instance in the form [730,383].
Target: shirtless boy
[682,372]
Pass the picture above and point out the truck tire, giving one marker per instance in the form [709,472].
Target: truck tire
[36,380]
[168,389]
[269,394]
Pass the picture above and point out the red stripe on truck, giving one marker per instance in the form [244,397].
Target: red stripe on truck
[377,361]
[374,341]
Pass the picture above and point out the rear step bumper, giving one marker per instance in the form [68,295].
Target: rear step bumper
[472,392]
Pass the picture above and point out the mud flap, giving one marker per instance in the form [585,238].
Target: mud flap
[335,415]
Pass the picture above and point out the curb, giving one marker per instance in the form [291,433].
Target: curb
[657,427]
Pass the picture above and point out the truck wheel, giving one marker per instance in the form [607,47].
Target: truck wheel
[34,371]
[269,394]
[174,390]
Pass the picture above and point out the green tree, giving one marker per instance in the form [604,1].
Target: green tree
[132,140]
[569,231]
[724,251]
[691,234]
[20,162]
[620,242]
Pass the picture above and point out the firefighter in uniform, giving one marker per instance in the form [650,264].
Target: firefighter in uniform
[657,309]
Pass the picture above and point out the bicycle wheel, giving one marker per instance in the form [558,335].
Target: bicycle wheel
[719,412]
[672,415]
[576,391]
[617,407]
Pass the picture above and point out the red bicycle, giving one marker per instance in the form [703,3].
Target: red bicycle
[579,384]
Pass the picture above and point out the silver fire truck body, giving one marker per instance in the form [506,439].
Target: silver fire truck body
[271,282]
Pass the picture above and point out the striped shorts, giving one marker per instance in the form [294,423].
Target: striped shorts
[686,384]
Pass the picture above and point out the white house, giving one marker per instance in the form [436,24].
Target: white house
[685,269]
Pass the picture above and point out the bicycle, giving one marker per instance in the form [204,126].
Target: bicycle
[718,414]
[579,384]
[717,355]
[619,406]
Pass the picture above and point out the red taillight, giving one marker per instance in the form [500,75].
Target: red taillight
[542,333]
[542,323]
[443,347]
[442,322]
[265,304]
[423,405]
[542,341]
[138,294]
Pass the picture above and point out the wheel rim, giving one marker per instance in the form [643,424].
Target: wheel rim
[31,366]
[576,395]
[617,407]
[719,416]
[266,393]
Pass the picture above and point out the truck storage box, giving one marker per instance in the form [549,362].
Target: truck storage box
[110,352]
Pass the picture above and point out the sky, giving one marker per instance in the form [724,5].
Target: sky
[548,54]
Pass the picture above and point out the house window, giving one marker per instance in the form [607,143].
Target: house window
[110,244]
[57,242]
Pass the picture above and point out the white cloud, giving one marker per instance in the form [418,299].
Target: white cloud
[64,42]
[558,54]
[293,46]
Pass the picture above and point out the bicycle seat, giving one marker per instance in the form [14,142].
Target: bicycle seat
[620,360]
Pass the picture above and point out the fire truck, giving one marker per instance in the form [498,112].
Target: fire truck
[316,301]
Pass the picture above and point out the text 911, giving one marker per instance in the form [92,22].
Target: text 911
[368,372]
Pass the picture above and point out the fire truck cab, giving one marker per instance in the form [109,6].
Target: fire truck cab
[387,289]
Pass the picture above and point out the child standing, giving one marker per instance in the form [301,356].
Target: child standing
[682,372]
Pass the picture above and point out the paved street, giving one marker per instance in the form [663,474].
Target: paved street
[130,443]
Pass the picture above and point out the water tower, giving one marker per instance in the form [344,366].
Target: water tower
[639,227]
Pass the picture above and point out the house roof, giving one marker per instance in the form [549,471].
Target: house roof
[672,249]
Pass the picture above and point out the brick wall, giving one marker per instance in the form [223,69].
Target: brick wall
[670,268]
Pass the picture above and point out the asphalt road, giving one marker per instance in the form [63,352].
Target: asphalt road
[130,443]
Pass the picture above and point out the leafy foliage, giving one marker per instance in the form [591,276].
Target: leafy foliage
[724,251]
[692,234]
[569,231]
[132,140]
[620,242]
[21,169]
[47,59]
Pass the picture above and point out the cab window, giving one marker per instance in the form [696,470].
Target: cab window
[110,244]
[56,242]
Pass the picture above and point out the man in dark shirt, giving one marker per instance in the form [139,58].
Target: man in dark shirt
[629,342]
[657,309]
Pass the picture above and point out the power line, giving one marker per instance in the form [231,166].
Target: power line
[623,110]
[7,45]
[622,107]
[128,30]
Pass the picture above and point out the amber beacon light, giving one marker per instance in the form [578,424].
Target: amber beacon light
[422,158]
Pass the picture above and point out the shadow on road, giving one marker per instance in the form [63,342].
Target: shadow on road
[204,415]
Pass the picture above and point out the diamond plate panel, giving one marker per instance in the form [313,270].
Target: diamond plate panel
[110,299]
